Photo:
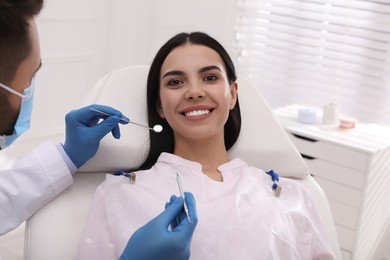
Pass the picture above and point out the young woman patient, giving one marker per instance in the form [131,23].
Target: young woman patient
[192,93]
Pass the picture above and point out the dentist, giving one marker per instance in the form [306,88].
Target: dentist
[44,173]
[47,171]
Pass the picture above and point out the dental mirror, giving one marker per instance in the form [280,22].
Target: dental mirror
[156,128]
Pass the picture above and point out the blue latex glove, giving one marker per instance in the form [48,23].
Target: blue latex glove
[84,132]
[155,241]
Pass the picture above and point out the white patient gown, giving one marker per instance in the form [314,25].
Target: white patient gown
[239,218]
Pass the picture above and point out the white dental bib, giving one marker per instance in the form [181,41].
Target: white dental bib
[239,218]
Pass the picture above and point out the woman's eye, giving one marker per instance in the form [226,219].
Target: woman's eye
[210,78]
[174,82]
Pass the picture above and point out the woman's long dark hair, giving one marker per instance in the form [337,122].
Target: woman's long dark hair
[164,141]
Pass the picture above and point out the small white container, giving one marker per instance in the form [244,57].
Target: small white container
[307,116]
[330,116]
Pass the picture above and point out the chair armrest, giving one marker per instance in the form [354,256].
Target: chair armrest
[61,220]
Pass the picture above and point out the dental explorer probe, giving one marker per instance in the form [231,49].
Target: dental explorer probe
[182,195]
[156,128]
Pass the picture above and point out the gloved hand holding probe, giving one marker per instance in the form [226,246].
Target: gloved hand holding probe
[155,241]
[84,132]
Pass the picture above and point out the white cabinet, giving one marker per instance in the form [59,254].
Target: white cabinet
[353,168]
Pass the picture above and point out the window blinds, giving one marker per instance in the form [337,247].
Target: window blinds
[318,51]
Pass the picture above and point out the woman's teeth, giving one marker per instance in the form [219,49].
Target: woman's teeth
[197,113]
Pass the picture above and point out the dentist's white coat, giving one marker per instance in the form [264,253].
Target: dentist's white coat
[35,180]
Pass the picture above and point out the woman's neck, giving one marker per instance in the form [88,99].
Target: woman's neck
[210,153]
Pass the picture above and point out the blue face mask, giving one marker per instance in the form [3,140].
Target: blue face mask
[23,122]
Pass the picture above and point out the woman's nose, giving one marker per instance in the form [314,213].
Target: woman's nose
[195,91]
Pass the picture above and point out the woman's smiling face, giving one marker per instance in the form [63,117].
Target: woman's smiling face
[195,94]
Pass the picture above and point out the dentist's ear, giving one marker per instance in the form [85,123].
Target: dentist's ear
[233,94]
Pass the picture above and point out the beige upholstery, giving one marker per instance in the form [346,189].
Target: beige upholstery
[54,231]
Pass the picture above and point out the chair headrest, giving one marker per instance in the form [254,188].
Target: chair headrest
[262,142]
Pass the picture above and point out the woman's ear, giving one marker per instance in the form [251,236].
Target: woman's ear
[233,94]
[160,111]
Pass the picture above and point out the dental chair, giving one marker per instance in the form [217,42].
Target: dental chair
[54,231]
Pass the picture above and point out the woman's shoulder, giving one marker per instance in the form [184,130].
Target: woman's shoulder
[270,174]
[288,185]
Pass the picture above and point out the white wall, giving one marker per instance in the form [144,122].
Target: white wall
[139,28]
[81,40]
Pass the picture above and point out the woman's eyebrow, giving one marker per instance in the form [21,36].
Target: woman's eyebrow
[207,68]
[174,73]
[201,70]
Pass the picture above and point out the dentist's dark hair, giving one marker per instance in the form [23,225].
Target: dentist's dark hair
[15,42]
[164,141]
[15,47]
